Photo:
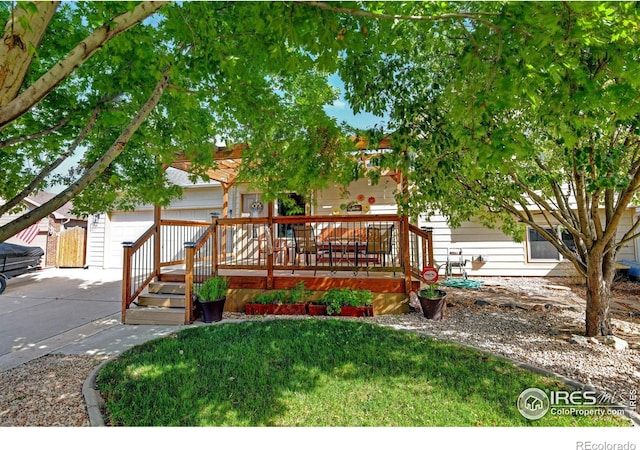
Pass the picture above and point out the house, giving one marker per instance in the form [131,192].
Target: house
[49,233]
[485,252]
[349,237]
[107,231]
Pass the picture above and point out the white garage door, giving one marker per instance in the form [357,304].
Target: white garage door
[129,226]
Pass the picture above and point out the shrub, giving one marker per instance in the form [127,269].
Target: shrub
[338,297]
[213,289]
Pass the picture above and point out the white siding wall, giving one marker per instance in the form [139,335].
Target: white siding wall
[382,193]
[96,239]
[504,256]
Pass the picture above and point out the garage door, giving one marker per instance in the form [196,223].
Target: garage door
[129,226]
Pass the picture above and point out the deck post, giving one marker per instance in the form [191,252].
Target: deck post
[126,278]
[406,253]
[270,255]
[189,248]
[431,262]
[214,244]
[157,212]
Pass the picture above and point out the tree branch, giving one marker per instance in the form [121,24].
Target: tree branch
[33,185]
[94,171]
[476,16]
[39,134]
[9,111]
[17,44]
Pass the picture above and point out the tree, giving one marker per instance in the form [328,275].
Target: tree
[80,78]
[39,79]
[525,115]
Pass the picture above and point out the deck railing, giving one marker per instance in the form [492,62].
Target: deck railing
[420,249]
[330,243]
[160,246]
[371,243]
[139,266]
[199,266]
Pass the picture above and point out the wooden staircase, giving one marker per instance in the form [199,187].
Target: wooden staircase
[161,304]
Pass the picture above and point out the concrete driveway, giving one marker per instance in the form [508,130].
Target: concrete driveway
[69,311]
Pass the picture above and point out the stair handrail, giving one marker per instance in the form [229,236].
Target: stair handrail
[422,254]
[191,249]
[128,267]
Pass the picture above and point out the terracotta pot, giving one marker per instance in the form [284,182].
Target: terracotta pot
[253,309]
[295,309]
[316,310]
[356,311]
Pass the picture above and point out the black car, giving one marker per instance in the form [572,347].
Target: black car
[17,260]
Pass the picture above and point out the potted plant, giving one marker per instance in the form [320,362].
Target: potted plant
[358,304]
[281,302]
[210,297]
[292,302]
[262,304]
[348,302]
[432,301]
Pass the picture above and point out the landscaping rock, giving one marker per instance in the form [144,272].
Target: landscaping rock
[537,308]
[508,306]
[482,303]
[616,343]
[576,339]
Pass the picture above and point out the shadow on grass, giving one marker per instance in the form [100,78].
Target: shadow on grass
[314,373]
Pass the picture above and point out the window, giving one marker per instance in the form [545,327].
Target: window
[539,249]
[249,200]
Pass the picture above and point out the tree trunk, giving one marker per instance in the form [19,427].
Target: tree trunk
[22,34]
[598,322]
[11,109]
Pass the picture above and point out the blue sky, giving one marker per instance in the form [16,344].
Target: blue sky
[343,112]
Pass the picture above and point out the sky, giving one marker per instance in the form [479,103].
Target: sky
[341,110]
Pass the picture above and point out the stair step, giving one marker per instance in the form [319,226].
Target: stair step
[165,287]
[161,300]
[173,277]
[154,316]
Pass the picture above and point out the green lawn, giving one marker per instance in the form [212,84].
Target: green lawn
[316,373]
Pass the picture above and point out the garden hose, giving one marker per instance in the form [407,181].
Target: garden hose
[462,283]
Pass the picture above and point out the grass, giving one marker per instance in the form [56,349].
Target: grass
[317,373]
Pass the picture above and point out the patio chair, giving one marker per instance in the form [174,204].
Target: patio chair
[379,244]
[304,239]
[268,246]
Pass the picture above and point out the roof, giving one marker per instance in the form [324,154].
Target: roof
[180,177]
[64,212]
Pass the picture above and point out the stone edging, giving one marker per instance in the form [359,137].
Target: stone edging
[92,397]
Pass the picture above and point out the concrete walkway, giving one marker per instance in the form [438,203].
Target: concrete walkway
[67,311]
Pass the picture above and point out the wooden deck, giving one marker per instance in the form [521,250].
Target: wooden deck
[340,254]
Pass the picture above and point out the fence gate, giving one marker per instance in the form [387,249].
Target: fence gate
[71,247]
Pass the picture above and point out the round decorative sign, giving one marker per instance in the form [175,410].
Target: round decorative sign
[430,274]
[372,200]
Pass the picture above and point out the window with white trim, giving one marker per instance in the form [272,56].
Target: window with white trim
[541,250]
